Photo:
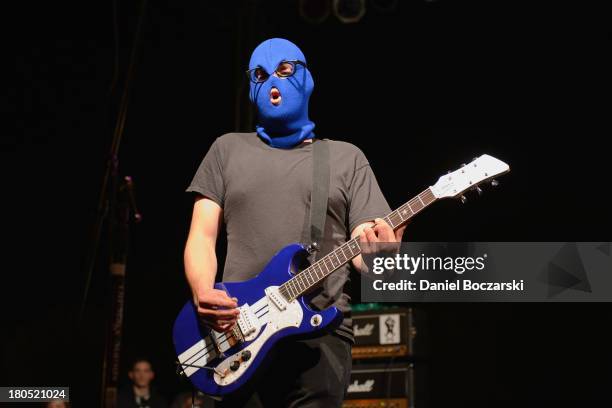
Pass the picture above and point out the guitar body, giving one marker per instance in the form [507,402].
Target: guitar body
[269,317]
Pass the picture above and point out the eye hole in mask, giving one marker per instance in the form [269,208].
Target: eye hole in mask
[284,70]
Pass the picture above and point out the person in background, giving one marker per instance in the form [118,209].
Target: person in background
[140,394]
[57,404]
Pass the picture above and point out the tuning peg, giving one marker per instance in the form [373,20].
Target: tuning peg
[494,183]
[478,190]
[463,199]
[463,164]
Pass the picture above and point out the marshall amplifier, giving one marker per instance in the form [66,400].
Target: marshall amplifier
[383,333]
[380,385]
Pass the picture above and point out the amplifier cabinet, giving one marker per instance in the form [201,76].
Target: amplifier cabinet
[381,383]
[384,333]
[377,403]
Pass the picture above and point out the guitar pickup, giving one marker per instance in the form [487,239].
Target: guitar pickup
[247,322]
[276,298]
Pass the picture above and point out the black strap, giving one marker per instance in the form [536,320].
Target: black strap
[320,192]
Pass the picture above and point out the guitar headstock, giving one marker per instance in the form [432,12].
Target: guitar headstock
[470,176]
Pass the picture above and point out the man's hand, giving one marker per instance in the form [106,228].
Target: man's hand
[216,309]
[380,238]
[371,235]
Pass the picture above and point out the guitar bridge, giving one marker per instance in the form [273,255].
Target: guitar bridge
[223,341]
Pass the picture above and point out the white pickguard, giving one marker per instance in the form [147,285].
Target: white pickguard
[276,320]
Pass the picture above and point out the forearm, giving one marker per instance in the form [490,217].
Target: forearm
[200,262]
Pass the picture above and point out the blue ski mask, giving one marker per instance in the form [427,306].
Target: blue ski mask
[281,101]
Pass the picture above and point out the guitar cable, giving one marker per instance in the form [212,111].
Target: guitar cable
[180,369]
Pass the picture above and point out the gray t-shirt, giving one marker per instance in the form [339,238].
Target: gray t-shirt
[265,196]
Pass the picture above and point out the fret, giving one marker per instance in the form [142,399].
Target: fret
[296,282]
[428,195]
[289,283]
[318,273]
[334,261]
[410,207]
[329,265]
[313,273]
[328,269]
[354,247]
[294,288]
[300,281]
[321,265]
[404,212]
[338,258]
[311,278]
[397,214]
[318,264]
[418,206]
[331,261]
[307,272]
[321,273]
[391,221]
[421,200]
[343,248]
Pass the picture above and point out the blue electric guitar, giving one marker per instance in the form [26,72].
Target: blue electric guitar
[275,304]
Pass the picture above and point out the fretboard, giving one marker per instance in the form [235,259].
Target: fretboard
[315,273]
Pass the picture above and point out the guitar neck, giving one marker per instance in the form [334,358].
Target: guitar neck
[315,273]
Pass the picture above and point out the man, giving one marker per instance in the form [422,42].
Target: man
[140,394]
[259,184]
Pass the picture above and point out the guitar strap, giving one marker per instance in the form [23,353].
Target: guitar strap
[320,192]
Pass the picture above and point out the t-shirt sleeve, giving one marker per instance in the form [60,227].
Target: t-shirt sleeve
[208,179]
[367,202]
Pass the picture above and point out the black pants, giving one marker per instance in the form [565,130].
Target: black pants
[310,373]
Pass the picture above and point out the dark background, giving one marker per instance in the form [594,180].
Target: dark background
[420,89]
